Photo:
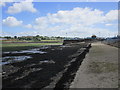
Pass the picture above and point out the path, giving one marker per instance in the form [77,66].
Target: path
[99,69]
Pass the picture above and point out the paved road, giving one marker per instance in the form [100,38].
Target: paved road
[99,69]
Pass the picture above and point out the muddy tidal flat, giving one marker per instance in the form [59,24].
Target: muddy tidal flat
[50,66]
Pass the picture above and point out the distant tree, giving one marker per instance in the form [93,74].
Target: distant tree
[37,36]
[7,37]
[15,37]
[36,39]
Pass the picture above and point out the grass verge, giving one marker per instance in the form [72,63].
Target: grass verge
[21,46]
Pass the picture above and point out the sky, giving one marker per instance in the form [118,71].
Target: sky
[70,19]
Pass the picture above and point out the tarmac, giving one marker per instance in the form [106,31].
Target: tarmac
[99,69]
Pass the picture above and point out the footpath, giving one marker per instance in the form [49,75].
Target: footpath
[99,69]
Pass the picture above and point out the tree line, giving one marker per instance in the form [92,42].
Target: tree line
[34,38]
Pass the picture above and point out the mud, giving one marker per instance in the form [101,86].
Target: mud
[54,69]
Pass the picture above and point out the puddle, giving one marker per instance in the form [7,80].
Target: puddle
[6,52]
[65,46]
[59,48]
[47,61]
[52,49]
[11,59]
[30,51]
[45,47]
[3,63]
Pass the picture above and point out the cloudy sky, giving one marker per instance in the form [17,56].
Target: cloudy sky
[74,19]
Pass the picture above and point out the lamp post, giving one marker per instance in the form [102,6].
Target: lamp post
[99,34]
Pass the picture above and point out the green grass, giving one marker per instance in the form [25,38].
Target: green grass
[51,40]
[30,40]
[22,46]
[27,44]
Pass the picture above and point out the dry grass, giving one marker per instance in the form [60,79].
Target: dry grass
[102,67]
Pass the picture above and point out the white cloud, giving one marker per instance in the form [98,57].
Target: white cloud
[12,22]
[112,15]
[28,26]
[109,24]
[79,21]
[22,6]
[3,2]
[3,33]
[84,16]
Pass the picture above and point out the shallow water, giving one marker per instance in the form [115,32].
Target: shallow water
[11,59]
[47,61]
[45,47]
[63,46]
[30,51]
